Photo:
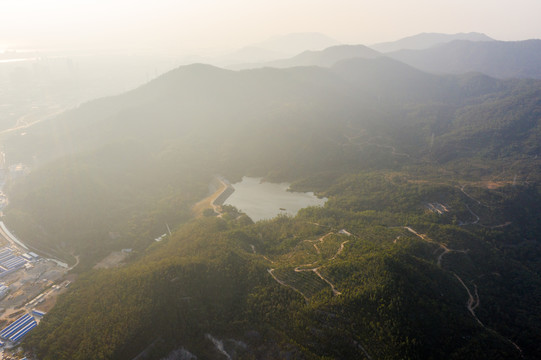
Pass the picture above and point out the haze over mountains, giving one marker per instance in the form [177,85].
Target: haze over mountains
[502,59]
[325,58]
[427,40]
[427,248]
[277,47]
[436,53]
[295,43]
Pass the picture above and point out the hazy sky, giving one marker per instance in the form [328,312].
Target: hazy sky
[199,25]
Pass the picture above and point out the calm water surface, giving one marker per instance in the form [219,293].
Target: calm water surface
[264,200]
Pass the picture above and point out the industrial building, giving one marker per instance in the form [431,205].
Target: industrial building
[38,313]
[9,261]
[3,290]
[19,328]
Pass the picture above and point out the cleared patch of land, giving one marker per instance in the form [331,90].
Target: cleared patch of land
[114,259]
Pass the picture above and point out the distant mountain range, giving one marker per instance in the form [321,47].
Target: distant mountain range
[279,47]
[324,58]
[427,40]
[501,59]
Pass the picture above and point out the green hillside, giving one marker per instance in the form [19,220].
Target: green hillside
[434,180]
[394,294]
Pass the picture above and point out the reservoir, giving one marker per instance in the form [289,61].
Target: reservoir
[264,200]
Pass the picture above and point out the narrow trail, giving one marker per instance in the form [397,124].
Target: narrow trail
[219,345]
[507,223]
[340,249]
[320,240]
[76,262]
[363,350]
[315,270]
[446,250]
[335,292]
[477,218]
[473,299]
[473,303]
[474,214]
[476,297]
[471,197]
[311,268]
[270,271]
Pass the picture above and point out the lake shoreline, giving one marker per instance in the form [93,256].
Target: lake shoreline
[263,200]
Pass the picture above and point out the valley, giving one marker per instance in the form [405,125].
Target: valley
[422,241]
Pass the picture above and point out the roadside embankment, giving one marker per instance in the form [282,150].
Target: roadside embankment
[221,189]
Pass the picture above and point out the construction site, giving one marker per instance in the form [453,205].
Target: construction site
[29,285]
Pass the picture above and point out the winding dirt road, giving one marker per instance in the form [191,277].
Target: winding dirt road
[270,271]
[446,250]
[473,299]
[473,303]
[471,197]
[315,270]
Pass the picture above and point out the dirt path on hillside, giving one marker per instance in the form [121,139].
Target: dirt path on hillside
[320,240]
[477,218]
[340,249]
[309,267]
[270,271]
[473,299]
[472,303]
[471,197]
[315,270]
[444,247]
[76,262]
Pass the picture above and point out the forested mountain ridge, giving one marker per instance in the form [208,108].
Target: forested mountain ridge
[199,120]
[386,143]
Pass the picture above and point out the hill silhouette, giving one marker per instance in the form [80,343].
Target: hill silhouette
[500,59]
[427,40]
